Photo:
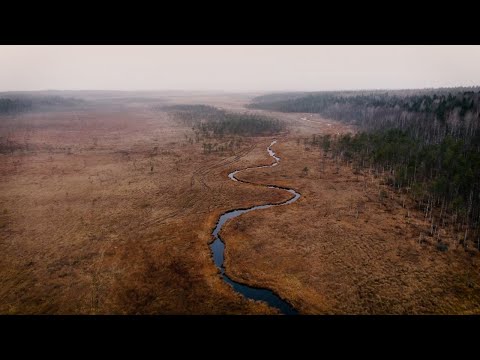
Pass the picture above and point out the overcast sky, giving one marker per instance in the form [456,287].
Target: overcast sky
[237,68]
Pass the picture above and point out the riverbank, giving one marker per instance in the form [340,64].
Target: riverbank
[343,249]
[218,245]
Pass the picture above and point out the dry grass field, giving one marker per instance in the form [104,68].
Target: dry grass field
[344,249]
[109,210]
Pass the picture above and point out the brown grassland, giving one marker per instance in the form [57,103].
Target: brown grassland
[109,210]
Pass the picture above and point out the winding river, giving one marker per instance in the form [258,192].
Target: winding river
[218,246]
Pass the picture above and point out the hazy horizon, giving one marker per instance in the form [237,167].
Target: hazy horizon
[237,68]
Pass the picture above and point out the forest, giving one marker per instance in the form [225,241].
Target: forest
[425,143]
[212,122]
[11,105]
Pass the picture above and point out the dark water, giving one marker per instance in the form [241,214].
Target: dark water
[218,246]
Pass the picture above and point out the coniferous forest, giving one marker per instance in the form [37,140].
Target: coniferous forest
[11,105]
[210,121]
[426,143]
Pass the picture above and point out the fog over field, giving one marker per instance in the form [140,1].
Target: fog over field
[237,68]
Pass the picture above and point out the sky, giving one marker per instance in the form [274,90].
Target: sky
[237,68]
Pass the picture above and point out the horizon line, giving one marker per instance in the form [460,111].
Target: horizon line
[248,91]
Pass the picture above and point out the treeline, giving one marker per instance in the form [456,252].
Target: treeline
[212,122]
[269,98]
[425,143]
[15,105]
[427,116]
[442,176]
[276,97]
